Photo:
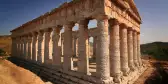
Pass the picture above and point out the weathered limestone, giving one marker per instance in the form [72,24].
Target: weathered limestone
[124,50]
[102,59]
[116,44]
[34,47]
[130,49]
[83,61]
[135,48]
[40,54]
[94,47]
[25,47]
[46,47]
[68,63]
[56,49]
[29,48]
[115,50]
[138,50]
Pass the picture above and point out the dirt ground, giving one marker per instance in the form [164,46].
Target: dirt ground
[12,74]
[157,73]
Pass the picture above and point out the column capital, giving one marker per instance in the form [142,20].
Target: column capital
[69,25]
[123,26]
[83,22]
[102,17]
[57,29]
[114,22]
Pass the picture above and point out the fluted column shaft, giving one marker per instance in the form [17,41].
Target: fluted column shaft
[56,49]
[68,63]
[34,48]
[83,63]
[102,59]
[25,48]
[130,49]
[124,50]
[135,58]
[139,50]
[94,46]
[115,51]
[30,47]
[75,47]
[46,45]
[40,56]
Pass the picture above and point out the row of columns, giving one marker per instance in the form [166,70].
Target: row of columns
[122,54]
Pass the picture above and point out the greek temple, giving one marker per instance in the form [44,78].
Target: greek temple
[67,56]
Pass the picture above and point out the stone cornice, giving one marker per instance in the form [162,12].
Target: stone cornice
[130,11]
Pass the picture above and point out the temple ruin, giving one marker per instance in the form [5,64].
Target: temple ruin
[49,41]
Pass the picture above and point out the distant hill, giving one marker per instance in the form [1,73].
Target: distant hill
[5,43]
[159,50]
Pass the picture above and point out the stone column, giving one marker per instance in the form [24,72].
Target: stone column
[94,47]
[130,49]
[46,45]
[83,60]
[139,50]
[21,47]
[135,58]
[62,46]
[68,63]
[102,58]
[77,47]
[74,46]
[40,55]
[25,48]
[115,51]
[29,48]
[56,50]
[124,50]
[34,47]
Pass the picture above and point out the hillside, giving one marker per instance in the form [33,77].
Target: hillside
[159,50]
[5,43]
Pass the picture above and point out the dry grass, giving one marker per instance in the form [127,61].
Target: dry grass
[12,74]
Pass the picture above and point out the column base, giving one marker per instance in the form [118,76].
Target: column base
[107,81]
[125,71]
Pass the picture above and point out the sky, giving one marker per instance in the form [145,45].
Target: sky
[154,14]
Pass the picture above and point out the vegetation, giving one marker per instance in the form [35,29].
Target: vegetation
[5,44]
[159,50]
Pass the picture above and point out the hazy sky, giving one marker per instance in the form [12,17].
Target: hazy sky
[154,15]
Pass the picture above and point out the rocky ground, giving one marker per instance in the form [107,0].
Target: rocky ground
[157,73]
[12,74]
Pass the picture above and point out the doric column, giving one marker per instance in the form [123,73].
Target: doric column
[40,55]
[75,46]
[130,49]
[25,48]
[21,47]
[94,47]
[56,50]
[46,45]
[34,47]
[68,63]
[29,47]
[102,58]
[115,50]
[135,58]
[83,62]
[124,50]
[139,50]
[62,46]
